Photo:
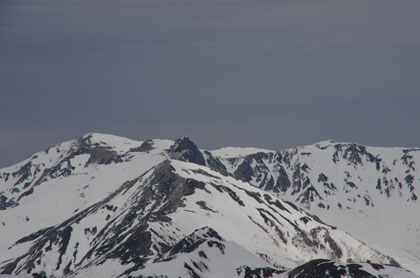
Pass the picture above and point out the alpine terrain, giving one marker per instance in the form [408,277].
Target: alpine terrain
[108,206]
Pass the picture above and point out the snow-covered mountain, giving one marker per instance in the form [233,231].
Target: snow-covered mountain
[369,192]
[107,206]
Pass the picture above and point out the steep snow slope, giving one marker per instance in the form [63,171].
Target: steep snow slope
[53,185]
[106,204]
[367,191]
[135,215]
[203,253]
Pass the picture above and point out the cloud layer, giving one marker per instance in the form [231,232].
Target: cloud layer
[267,73]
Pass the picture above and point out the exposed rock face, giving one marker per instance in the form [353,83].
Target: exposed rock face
[184,149]
[146,146]
[295,173]
[322,268]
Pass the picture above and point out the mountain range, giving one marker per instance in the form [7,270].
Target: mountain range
[108,206]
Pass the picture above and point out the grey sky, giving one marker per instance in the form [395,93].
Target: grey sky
[266,73]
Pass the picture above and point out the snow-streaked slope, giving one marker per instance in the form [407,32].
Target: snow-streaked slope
[55,184]
[269,223]
[102,203]
[369,192]
[144,217]
[206,254]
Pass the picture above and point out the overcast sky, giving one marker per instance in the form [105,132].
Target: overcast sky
[264,73]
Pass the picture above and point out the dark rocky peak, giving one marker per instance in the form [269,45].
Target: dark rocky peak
[183,144]
[184,149]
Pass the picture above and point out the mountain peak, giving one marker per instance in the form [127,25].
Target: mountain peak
[183,143]
[184,149]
